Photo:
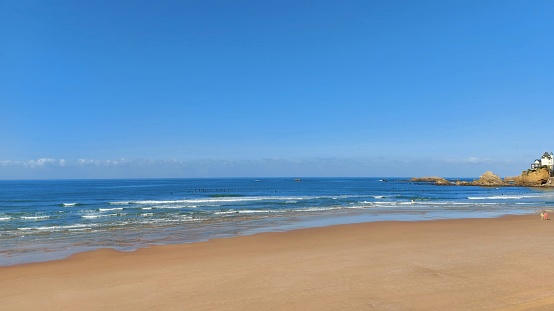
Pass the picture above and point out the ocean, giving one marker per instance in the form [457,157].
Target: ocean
[50,219]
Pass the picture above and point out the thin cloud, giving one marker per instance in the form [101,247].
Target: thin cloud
[108,163]
[275,167]
[38,163]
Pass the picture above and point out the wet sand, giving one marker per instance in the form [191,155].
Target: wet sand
[472,264]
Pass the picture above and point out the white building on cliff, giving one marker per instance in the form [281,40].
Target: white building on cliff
[546,160]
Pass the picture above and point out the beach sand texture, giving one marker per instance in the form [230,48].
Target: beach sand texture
[471,264]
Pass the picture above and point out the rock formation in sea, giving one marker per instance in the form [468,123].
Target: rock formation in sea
[532,178]
[432,179]
[489,179]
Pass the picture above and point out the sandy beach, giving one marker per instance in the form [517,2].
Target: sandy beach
[471,264]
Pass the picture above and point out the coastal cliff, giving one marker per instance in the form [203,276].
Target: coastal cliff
[532,178]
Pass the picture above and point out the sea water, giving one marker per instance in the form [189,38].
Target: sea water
[50,219]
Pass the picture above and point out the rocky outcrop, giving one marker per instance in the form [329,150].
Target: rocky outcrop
[533,178]
[443,182]
[436,180]
[489,179]
[426,179]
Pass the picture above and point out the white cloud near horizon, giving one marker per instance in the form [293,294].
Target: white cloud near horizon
[267,167]
[42,162]
[103,162]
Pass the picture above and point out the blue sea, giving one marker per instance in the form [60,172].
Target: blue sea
[51,219]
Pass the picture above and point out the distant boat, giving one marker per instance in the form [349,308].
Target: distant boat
[297,179]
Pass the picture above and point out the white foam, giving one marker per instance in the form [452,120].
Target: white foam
[255,211]
[110,209]
[55,228]
[406,203]
[216,200]
[69,204]
[384,204]
[92,216]
[152,202]
[35,217]
[183,218]
[226,212]
[504,197]
[81,229]
[5,218]
[244,212]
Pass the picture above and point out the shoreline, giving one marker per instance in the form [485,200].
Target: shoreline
[89,215]
[486,263]
[307,223]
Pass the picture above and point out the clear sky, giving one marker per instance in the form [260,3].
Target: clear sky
[200,88]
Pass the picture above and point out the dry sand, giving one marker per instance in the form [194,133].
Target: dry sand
[476,264]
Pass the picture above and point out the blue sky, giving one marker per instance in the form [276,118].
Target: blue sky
[106,89]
